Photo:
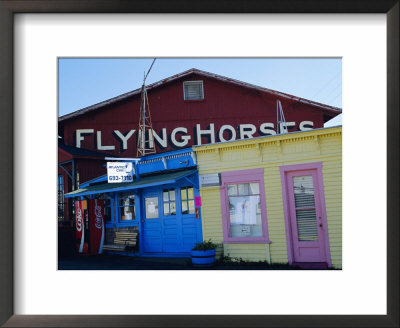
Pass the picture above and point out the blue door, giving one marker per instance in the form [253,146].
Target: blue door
[170,224]
[171,221]
[152,224]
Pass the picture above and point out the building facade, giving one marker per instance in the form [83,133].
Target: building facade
[276,199]
[157,210]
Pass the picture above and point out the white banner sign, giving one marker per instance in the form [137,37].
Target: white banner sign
[210,180]
[118,172]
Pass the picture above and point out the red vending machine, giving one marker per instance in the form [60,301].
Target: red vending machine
[96,226]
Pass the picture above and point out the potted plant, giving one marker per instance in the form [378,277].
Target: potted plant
[203,254]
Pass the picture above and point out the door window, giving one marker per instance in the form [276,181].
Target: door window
[169,202]
[187,200]
[303,190]
[151,204]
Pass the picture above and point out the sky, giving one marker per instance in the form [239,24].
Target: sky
[84,82]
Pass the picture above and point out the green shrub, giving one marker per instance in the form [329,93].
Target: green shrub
[204,246]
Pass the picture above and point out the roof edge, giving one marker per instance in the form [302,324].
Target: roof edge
[203,73]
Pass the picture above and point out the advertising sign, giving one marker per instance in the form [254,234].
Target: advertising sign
[79,224]
[118,172]
[96,225]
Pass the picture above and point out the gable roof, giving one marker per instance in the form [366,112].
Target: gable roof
[205,74]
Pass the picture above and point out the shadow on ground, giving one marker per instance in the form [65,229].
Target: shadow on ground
[120,262]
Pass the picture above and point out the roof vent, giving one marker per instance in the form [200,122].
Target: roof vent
[193,90]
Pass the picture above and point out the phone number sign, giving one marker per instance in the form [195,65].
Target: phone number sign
[118,172]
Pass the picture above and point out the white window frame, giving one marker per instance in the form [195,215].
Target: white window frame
[193,82]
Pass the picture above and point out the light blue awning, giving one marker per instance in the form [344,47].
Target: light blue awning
[143,182]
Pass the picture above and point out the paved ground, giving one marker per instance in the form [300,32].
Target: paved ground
[119,262]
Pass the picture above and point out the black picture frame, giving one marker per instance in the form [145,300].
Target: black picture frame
[10,7]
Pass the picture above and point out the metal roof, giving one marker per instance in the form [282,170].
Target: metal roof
[143,182]
[203,73]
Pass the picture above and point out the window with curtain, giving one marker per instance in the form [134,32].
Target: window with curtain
[244,210]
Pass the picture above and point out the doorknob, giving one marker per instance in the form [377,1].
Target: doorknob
[320,225]
[142,221]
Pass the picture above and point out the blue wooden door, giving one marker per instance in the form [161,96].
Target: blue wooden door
[171,221]
[152,223]
[190,225]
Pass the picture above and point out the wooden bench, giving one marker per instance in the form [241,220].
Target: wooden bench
[124,241]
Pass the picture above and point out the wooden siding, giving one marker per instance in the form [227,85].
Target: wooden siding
[324,145]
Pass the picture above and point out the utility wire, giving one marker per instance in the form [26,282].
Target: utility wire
[331,92]
[335,97]
[325,85]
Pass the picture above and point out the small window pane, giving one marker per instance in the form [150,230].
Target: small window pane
[184,208]
[126,200]
[127,213]
[243,189]
[232,190]
[165,195]
[173,208]
[245,218]
[307,225]
[183,194]
[166,208]
[191,207]
[172,194]
[304,191]
[254,189]
[190,193]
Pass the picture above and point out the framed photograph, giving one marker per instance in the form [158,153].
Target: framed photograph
[35,35]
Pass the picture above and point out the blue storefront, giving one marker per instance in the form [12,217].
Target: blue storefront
[159,204]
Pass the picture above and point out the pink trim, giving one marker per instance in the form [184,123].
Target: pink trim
[243,176]
[286,214]
[316,167]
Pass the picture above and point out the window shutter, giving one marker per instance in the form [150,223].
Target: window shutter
[193,90]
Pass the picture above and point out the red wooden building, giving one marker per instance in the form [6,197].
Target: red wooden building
[191,108]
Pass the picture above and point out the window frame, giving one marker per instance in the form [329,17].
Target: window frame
[169,201]
[193,82]
[239,177]
[119,206]
[187,200]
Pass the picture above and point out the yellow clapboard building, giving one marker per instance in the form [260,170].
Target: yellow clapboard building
[276,198]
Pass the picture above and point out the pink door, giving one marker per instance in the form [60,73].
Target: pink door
[306,217]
